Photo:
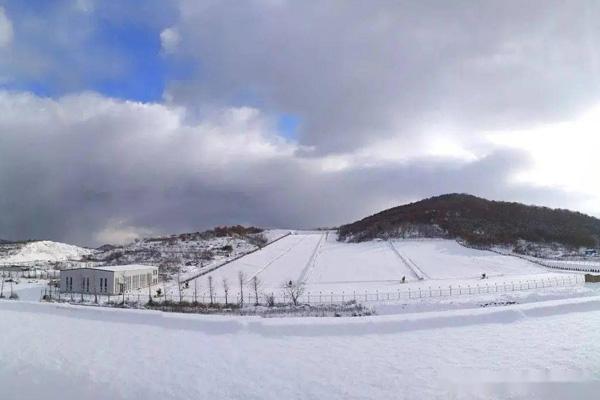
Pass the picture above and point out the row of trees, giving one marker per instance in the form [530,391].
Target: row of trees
[293,290]
[10,280]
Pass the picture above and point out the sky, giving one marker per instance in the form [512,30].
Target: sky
[127,119]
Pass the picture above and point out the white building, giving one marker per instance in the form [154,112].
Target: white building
[108,280]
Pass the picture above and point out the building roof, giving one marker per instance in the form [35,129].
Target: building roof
[121,268]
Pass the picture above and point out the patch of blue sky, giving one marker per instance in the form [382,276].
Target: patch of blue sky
[145,73]
[288,126]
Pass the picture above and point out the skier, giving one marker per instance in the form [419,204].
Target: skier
[403,279]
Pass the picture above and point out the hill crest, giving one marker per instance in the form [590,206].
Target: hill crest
[477,221]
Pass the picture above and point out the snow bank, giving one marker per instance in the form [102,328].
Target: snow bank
[46,251]
[311,326]
[539,351]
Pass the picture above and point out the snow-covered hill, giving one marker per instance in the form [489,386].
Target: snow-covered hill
[186,254]
[44,251]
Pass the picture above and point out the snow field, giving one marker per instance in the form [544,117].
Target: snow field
[341,270]
[277,263]
[469,354]
[446,259]
[339,264]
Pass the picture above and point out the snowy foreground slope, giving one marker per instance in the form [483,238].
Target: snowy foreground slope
[547,350]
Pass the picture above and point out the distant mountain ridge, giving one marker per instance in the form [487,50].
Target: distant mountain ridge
[477,221]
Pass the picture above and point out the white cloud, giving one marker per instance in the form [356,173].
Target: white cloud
[564,155]
[119,233]
[169,40]
[81,160]
[6,29]
[85,6]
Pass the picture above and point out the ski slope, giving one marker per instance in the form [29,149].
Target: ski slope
[328,266]
[274,265]
[446,259]
[355,265]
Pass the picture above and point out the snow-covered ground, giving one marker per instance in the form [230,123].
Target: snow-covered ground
[329,267]
[45,251]
[277,263]
[446,259]
[340,263]
[547,350]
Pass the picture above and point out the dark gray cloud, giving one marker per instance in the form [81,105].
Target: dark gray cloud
[88,169]
[357,71]
[393,99]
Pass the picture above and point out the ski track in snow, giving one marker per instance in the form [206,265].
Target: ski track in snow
[326,265]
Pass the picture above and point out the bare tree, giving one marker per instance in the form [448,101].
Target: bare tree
[241,279]
[2,287]
[95,288]
[13,295]
[294,290]
[270,299]
[256,284]
[149,277]
[179,286]
[225,289]
[211,290]
[195,291]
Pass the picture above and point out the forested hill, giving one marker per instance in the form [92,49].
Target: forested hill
[478,221]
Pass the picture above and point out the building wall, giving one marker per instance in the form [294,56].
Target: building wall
[136,279]
[88,280]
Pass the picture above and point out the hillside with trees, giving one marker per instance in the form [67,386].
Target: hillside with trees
[477,221]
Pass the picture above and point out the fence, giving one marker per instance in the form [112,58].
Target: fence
[564,265]
[29,274]
[317,298]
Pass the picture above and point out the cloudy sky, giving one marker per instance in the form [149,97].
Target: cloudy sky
[121,119]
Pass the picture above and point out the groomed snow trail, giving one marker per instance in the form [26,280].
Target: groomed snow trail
[275,264]
[543,351]
[446,259]
[417,272]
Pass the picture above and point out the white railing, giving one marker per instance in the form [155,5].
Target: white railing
[315,298]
